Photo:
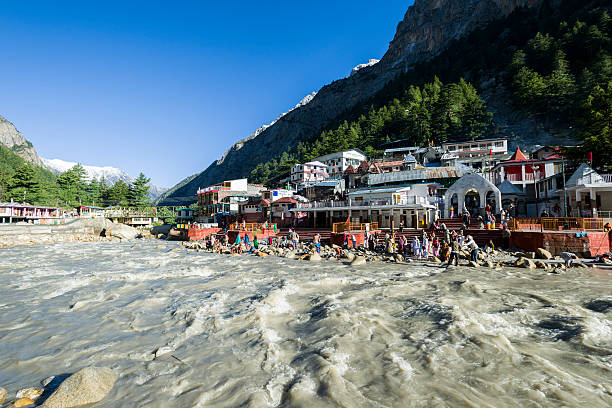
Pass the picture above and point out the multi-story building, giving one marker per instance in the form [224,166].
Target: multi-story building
[308,174]
[479,154]
[223,200]
[524,173]
[338,162]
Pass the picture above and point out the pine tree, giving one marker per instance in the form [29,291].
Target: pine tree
[23,185]
[138,191]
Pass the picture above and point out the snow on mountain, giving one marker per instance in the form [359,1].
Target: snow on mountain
[361,66]
[306,100]
[110,174]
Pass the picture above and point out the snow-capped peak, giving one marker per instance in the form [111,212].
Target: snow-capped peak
[361,66]
[110,174]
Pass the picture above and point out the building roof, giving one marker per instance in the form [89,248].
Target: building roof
[421,173]
[364,166]
[584,175]
[507,188]
[378,190]
[286,200]
[316,163]
[390,163]
[409,159]
[16,205]
[350,170]
[518,156]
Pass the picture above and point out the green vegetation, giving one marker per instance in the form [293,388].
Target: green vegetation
[434,113]
[22,181]
[556,66]
[565,76]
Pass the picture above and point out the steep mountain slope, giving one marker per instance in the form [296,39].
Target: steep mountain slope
[429,26]
[14,140]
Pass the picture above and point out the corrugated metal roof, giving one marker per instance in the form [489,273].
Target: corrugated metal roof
[427,173]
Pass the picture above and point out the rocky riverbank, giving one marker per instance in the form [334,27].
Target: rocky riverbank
[541,259]
[80,230]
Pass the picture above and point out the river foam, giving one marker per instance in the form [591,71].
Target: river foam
[189,329]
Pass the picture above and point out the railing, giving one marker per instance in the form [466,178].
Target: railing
[363,203]
[557,224]
[607,178]
[250,227]
[341,227]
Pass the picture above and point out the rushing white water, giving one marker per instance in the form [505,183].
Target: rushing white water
[259,332]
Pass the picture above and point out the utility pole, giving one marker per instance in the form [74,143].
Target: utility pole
[564,190]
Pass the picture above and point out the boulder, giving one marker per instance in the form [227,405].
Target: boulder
[436,260]
[315,257]
[399,258]
[525,263]
[32,393]
[543,254]
[473,264]
[541,265]
[21,402]
[3,394]
[359,260]
[489,264]
[348,256]
[530,255]
[86,386]
[261,254]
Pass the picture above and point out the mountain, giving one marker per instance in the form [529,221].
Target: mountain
[14,141]
[110,174]
[437,31]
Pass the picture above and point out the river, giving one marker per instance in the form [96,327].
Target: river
[270,332]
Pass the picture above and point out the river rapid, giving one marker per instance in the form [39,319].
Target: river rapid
[270,332]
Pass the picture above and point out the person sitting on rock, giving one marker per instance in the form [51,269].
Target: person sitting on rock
[569,258]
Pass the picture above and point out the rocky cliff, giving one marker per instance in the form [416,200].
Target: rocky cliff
[11,138]
[426,30]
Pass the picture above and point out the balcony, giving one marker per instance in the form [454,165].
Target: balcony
[405,201]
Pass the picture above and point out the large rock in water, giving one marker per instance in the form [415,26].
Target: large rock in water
[86,386]
[541,253]
[3,394]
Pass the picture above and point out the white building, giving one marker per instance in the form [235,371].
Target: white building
[308,174]
[338,162]
[277,194]
[493,145]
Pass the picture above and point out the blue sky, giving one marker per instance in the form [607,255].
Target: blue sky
[166,87]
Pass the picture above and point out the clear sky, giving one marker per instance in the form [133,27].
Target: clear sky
[166,87]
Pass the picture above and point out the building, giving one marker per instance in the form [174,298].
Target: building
[13,212]
[479,154]
[385,206]
[91,211]
[589,194]
[276,194]
[308,174]
[219,202]
[445,176]
[184,215]
[525,173]
[338,162]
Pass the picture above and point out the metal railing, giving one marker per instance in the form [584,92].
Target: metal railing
[364,203]
[557,224]
[251,227]
[341,227]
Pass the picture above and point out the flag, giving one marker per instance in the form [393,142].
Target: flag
[591,158]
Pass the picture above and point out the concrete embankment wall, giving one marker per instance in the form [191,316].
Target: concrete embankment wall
[79,230]
[594,243]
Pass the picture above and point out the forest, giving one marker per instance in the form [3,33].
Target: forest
[21,181]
